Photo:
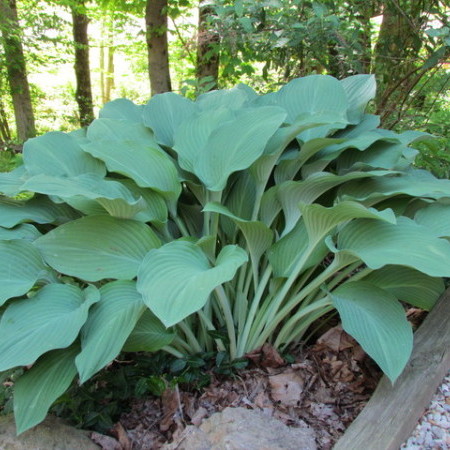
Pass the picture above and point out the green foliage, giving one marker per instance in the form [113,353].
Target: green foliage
[213,227]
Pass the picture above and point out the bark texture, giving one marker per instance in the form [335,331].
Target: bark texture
[396,54]
[83,92]
[207,48]
[157,46]
[16,69]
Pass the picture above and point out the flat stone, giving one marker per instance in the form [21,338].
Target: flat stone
[51,434]
[244,429]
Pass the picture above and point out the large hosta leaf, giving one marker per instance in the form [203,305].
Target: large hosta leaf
[37,389]
[408,285]
[59,154]
[50,320]
[112,195]
[11,182]
[98,247]
[258,236]
[417,183]
[24,231]
[377,321]
[436,217]
[21,265]
[39,209]
[110,323]
[177,279]
[380,155]
[291,193]
[320,220]
[235,98]
[155,210]
[193,134]
[289,249]
[149,335]
[131,150]
[405,243]
[314,94]
[123,109]
[360,89]
[288,167]
[164,113]
[306,242]
[230,147]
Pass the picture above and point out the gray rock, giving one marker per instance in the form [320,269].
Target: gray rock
[241,428]
[52,434]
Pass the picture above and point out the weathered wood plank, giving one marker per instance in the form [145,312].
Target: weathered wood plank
[393,411]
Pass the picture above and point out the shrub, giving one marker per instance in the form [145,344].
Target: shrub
[219,224]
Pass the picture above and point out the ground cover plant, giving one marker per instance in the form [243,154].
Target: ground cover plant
[215,225]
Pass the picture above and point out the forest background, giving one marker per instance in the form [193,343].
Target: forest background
[60,61]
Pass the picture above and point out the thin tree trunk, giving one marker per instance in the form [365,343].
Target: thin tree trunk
[102,63]
[157,46]
[207,49]
[5,133]
[16,69]
[107,51]
[83,92]
[109,85]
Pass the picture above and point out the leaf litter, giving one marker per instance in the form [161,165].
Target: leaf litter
[325,388]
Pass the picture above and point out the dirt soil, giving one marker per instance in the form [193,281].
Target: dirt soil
[326,388]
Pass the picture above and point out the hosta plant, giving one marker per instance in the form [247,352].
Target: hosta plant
[218,224]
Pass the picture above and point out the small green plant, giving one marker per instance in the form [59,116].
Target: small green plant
[215,225]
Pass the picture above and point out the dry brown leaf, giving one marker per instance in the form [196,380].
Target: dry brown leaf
[287,388]
[122,436]
[169,400]
[105,442]
[336,339]
[266,356]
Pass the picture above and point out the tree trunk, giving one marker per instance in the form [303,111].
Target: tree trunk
[364,10]
[109,85]
[16,68]
[102,64]
[396,53]
[157,46]
[207,49]
[5,133]
[83,92]
[107,51]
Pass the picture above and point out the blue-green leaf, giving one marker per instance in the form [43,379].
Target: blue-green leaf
[50,320]
[59,154]
[123,109]
[39,209]
[98,247]
[377,321]
[21,265]
[164,113]
[110,322]
[406,243]
[234,145]
[37,389]
[177,279]
[408,285]
[149,335]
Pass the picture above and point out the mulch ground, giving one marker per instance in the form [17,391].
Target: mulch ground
[326,387]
